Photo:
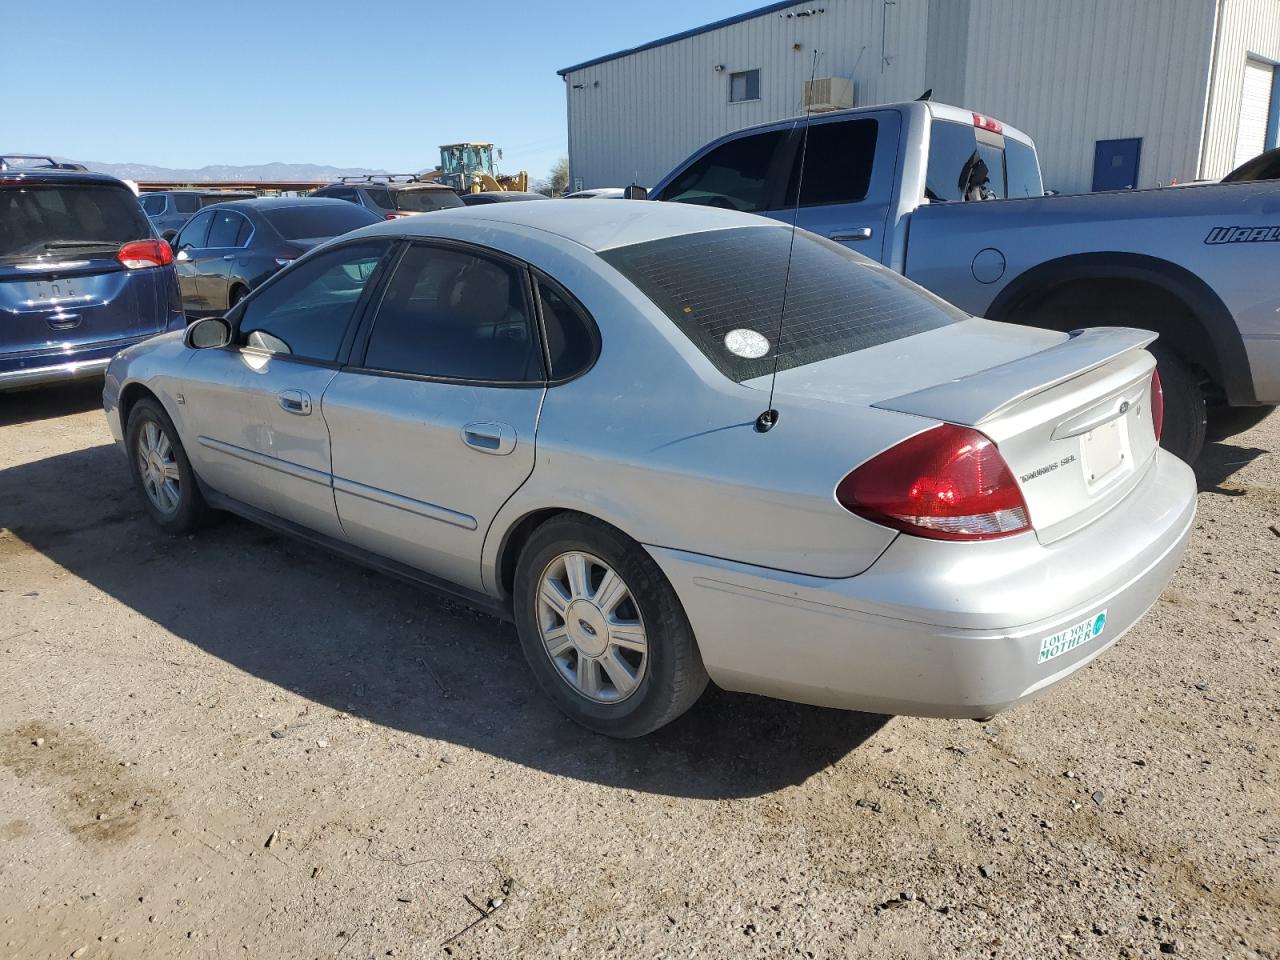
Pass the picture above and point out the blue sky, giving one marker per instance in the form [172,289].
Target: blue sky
[378,84]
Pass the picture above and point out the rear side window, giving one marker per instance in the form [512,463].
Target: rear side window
[227,229]
[306,311]
[572,340]
[424,201]
[837,163]
[152,204]
[37,219]
[734,175]
[319,220]
[970,164]
[723,289]
[451,314]
[186,203]
[379,197]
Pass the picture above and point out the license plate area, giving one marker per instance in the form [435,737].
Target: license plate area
[56,293]
[1104,451]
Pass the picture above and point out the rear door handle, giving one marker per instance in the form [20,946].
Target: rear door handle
[853,233]
[296,402]
[488,436]
[229,256]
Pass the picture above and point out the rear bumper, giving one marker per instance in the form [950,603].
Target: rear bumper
[34,371]
[940,629]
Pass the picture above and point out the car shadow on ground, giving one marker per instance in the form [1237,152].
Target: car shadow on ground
[28,406]
[361,642]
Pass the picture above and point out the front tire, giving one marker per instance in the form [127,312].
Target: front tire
[1184,407]
[161,470]
[602,629]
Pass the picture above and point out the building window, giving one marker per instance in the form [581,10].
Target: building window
[744,86]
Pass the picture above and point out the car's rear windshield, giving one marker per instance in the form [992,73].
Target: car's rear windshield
[40,219]
[724,290]
[423,201]
[321,219]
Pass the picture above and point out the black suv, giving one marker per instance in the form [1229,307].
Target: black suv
[391,196]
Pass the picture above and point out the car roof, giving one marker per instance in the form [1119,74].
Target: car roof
[280,203]
[596,226]
[37,175]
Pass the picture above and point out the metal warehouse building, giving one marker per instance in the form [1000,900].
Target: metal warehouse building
[1115,92]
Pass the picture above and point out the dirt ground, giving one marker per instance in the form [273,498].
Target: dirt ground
[234,746]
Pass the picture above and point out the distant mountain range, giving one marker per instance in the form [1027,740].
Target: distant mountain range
[222,171]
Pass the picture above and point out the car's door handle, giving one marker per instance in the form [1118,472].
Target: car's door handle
[488,436]
[295,401]
[856,233]
[229,256]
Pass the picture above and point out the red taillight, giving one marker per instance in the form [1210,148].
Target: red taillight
[145,253]
[394,216]
[948,483]
[1157,404]
[987,123]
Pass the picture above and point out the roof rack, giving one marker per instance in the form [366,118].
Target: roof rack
[45,163]
[383,178]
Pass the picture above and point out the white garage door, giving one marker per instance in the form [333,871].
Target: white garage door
[1255,107]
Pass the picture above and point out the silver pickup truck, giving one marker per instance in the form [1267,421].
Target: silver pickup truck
[918,186]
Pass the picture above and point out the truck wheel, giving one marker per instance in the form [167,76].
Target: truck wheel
[1184,410]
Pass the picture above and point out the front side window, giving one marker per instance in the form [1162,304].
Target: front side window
[744,86]
[193,235]
[152,204]
[724,290]
[733,176]
[306,311]
[454,315]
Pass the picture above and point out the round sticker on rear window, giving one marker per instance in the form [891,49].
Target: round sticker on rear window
[746,343]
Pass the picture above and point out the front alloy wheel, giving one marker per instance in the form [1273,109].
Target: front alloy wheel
[591,627]
[158,468]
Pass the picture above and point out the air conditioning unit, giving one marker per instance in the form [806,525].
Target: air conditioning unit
[828,93]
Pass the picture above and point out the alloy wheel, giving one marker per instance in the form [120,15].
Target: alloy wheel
[591,627]
[158,468]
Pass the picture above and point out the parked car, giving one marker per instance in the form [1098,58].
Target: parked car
[170,210]
[598,193]
[390,197]
[499,196]
[1265,166]
[552,410]
[896,182]
[228,249]
[82,274]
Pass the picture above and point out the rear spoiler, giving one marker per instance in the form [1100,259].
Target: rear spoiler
[978,397]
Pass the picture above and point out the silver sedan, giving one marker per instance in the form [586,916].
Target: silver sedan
[675,444]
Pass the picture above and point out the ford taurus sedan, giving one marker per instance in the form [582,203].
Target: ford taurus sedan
[561,411]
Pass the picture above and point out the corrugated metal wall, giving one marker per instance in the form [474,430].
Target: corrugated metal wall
[1072,72]
[1069,72]
[636,117]
[1247,27]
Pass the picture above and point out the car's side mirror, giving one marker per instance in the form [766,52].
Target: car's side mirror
[635,192]
[208,332]
[182,255]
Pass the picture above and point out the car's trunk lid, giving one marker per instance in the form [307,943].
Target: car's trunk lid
[1070,415]
[79,298]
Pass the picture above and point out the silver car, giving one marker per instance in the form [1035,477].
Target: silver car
[566,412]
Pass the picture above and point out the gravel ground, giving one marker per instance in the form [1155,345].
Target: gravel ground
[234,746]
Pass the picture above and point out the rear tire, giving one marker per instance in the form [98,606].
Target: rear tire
[603,587]
[161,470]
[1184,406]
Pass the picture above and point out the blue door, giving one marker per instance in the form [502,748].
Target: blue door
[1115,164]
